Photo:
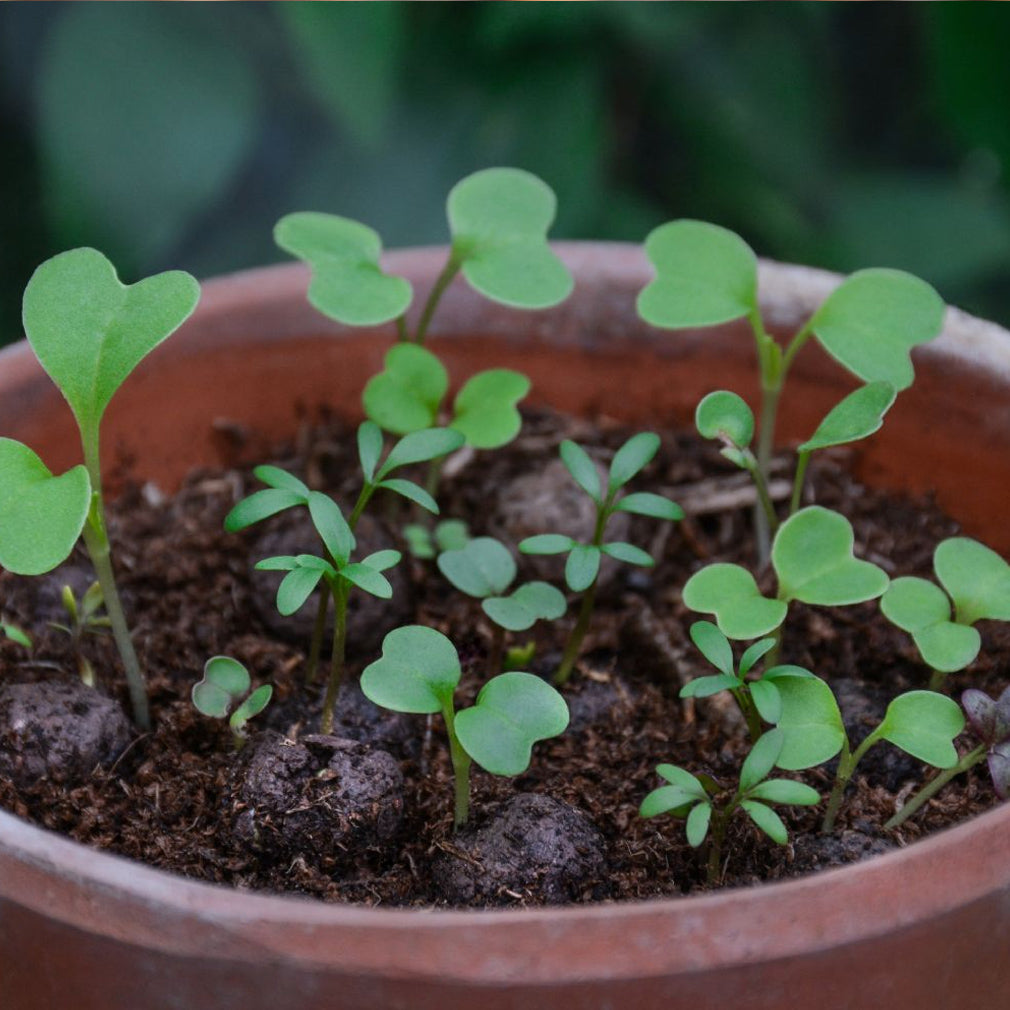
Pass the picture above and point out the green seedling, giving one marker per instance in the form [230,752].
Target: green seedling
[813,562]
[757,697]
[419,672]
[708,807]
[518,657]
[921,723]
[89,331]
[15,634]
[707,275]
[426,544]
[484,569]
[582,566]
[226,682]
[83,619]
[976,587]
[285,491]
[989,722]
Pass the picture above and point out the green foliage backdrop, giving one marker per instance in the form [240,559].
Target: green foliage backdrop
[174,135]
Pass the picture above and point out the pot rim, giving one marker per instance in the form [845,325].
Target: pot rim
[109,894]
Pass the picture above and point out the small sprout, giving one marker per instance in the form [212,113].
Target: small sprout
[15,634]
[708,808]
[977,583]
[519,657]
[484,569]
[419,672]
[225,682]
[582,566]
[426,544]
[83,620]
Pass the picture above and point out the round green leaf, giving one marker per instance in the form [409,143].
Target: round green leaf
[924,724]
[704,275]
[547,543]
[531,602]
[811,723]
[725,416]
[631,458]
[512,712]
[731,594]
[418,671]
[713,646]
[873,319]
[211,700]
[582,567]
[41,516]
[484,410]
[581,467]
[499,219]
[860,414]
[90,331]
[644,503]
[419,447]
[348,283]
[228,674]
[484,567]
[767,820]
[977,578]
[812,556]
[698,821]
[405,396]
[451,534]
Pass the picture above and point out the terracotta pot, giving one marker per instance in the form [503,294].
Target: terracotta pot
[921,928]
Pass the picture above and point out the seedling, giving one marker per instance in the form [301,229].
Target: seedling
[977,583]
[419,672]
[225,682]
[84,619]
[285,491]
[89,331]
[582,566]
[425,544]
[989,721]
[921,723]
[15,634]
[707,275]
[758,698]
[484,569]
[708,807]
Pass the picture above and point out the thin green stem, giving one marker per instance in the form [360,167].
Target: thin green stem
[460,769]
[937,679]
[496,652]
[318,631]
[765,504]
[340,592]
[802,459]
[717,835]
[444,279]
[749,711]
[972,758]
[364,497]
[401,330]
[846,767]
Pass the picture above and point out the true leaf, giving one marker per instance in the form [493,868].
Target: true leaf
[753,653]
[331,525]
[547,543]
[631,458]
[281,563]
[261,505]
[405,396]
[418,671]
[680,777]
[499,219]
[512,712]
[705,687]
[582,566]
[785,791]
[15,634]
[275,477]
[761,759]
[873,319]
[484,410]
[860,414]
[484,567]
[367,578]
[713,646]
[41,516]
[644,503]
[725,416]
[812,556]
[628,553]
[348,284]
[924,724]
[704,275]
[90,331]
[811,724]
[412,492]
[581,467]
[731,594]
[668,800]
[977,578]
[767,700]
[767,820]
[369,448]
[531,602]
[381,560]
[419,447]
[698,821]
[295,588]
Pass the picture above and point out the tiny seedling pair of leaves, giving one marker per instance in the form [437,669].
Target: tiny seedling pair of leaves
[226,682]
[977,583]
[407,396]
[484,568]
[764,691]
[990,722]
[419,672]
[583,562]
[426,544]
[813,560]
[498,218]
[921,723]
[706,275]
[687,795]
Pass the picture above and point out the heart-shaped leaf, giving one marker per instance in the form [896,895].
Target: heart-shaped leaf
[872,321]
[499,219]
[922,609]
[810,722]
[90,331]
[924,724]
[41,516]
[812,556]
[406,395]
[977,578]
[531,602]
[225,680]
[731,594]
[512,712]
[860,414]
[418,671]
[484,410]
[483,567]
[348,283]
[725,416]
[704,275]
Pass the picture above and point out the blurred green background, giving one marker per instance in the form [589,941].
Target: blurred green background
[839,134]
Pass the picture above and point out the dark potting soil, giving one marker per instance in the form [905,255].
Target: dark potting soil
[366,814]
